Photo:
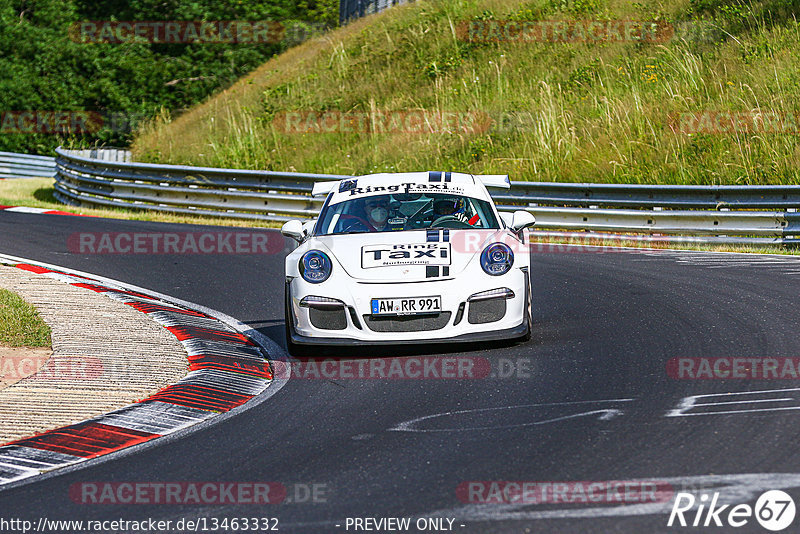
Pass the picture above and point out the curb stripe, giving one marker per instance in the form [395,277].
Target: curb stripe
[86,440]
[196,347]
[151,307]
[32,268]
[11,473]
[44,211]
[34,458]
[170,319]
[221,379]
[251,368]
[103,289]
[227,369]
[156,417]
[184,332]
[202,398]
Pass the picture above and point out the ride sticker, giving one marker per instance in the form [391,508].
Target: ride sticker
[406,188]
[405,254]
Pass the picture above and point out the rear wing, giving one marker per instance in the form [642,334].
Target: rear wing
[499,181]
[323,188]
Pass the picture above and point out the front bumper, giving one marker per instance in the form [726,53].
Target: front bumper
[457,328]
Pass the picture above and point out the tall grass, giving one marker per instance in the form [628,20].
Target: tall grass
[563,112]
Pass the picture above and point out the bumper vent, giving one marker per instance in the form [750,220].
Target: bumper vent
[486,311]
[328,318]
[407,323]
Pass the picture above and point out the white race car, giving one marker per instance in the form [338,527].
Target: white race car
[408,258]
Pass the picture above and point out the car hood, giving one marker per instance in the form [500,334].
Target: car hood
[408,256]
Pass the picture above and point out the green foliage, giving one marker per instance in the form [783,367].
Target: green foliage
[45,68]
[577,7]
[573,112]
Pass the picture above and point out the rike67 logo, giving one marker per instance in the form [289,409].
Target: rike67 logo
[774,510]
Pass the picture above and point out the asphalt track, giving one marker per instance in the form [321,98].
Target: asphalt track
[595,403]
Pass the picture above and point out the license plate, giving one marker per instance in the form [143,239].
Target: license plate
[407,306]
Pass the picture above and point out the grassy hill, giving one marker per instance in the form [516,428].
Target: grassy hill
[576,111]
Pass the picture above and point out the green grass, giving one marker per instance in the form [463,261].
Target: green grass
[581,112]
[38,193]
[20,324]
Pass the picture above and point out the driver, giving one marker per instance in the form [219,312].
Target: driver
[377,209]
[450,206]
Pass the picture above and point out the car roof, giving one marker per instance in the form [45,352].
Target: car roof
[454,183]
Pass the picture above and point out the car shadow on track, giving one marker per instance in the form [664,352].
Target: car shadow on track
[274,329]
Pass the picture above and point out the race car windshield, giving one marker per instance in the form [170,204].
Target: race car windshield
[403,211]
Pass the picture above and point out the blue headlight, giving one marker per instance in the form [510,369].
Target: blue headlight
[315,266]
[497,259]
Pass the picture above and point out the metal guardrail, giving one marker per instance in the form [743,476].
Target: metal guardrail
[14,165]
[726,214]
[230,193]
[104,154]
[652,196]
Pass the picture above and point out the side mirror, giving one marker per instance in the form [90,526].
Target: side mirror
[294,230]
[308,227]
[521,220]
